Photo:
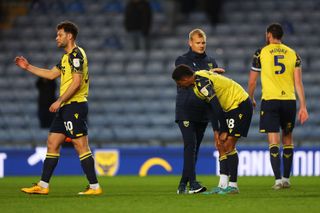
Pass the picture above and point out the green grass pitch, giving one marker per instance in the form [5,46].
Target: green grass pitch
[158,194]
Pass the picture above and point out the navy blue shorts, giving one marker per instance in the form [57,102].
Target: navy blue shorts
[239,119]
[277,113]
[71,120]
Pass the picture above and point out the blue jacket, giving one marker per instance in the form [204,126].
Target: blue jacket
[188,106]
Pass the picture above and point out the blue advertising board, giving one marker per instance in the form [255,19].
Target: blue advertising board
[151,161]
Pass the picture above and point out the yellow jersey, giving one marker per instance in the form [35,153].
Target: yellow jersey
[74,62]
[276,63]
[229,93]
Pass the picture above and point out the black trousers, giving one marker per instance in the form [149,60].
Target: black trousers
[192,134]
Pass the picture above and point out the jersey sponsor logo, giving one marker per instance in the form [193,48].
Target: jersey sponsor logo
[186,123]
[107,162]
[76,62]
[204,91]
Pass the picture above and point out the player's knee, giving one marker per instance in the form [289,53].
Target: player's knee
[53,146]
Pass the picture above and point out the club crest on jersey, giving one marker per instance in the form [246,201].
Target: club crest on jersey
[107,162]
[210,65]
[76,115]
[76,62]
[186,123]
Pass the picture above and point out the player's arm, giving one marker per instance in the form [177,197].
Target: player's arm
[253,76]
[219,113]
[44,73]
[72,89]
[76,63]
[252,83]
[303,112]
[207,93]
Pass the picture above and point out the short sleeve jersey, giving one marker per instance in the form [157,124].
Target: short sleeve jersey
[276,63]
[70,63]
[229,93]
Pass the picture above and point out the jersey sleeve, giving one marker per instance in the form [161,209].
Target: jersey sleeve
[76,61]
[59,65]
[298,61]
[256,63]
[205,88]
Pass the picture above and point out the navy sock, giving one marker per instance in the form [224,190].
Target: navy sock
[223,162]
[87,164]
[49,165]
[287,158]
[275,160]
[233,161]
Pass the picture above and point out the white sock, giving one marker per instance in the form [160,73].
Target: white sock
[223,182]
[285,179]
[233,184]
[43,184]
[95,186]
[278,181]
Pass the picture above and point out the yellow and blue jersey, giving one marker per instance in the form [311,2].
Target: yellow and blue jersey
[74,62]
[276,63]
[229,93]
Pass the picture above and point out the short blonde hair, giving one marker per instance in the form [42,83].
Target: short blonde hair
[198,32]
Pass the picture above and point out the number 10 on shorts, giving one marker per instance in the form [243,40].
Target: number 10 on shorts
[68,125]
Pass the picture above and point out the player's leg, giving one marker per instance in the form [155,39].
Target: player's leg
[223,164]
[288,116]
[270,123]
[287,158]
[53,148]
[81,145]
[239,121]
[274,149]
[232,161]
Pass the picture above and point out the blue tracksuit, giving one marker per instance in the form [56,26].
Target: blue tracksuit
[192,114]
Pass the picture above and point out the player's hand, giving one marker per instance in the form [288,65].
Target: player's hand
[218,70]
[55,106]
[303,115]
[21,62]
[223,136]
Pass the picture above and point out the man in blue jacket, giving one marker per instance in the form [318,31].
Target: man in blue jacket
[192,114]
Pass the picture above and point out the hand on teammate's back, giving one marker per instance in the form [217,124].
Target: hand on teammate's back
[217,70]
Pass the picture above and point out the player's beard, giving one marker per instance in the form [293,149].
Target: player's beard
[62,44]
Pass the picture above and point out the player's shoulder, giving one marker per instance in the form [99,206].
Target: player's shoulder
[289,49]
[257,52]
[77,52]
[203,73]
